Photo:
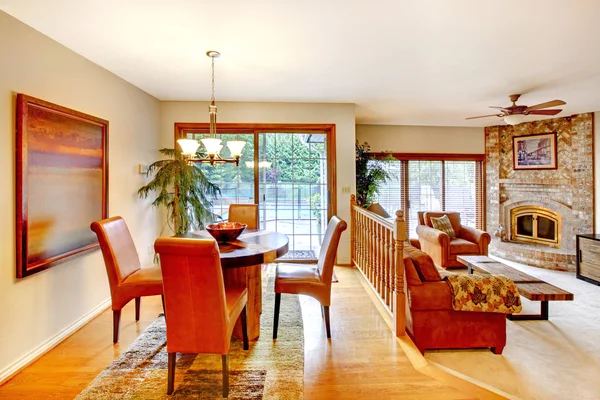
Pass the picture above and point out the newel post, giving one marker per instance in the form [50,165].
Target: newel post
[352,229]
[399,299]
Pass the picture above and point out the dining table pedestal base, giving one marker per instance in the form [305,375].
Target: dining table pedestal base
[250,278]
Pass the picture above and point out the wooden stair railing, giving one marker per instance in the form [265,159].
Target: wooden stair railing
[377,246]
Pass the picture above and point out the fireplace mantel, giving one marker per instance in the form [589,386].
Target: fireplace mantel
[544,182]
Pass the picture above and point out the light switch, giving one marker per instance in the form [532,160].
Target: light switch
[345,189]
[143,168]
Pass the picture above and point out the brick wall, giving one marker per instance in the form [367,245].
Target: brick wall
[568,190]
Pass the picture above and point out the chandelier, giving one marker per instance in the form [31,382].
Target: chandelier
[213,145]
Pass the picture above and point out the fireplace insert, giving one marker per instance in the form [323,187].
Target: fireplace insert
[533,224]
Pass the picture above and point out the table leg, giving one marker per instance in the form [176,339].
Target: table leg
[250,278]
[543,315]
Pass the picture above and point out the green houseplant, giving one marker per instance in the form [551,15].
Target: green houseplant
[370,172]
[183,189]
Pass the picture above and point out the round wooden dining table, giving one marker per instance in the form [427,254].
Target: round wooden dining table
[242,261]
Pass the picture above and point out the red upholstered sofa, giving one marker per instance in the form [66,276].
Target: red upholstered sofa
[443,250]
[431,321]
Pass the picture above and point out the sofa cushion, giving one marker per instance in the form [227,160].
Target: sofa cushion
[443,224]
[412,276]
[461,246]
[423,264]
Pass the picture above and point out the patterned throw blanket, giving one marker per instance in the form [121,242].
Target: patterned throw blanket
[488,293]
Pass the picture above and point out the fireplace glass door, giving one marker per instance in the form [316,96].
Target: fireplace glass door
[535,225]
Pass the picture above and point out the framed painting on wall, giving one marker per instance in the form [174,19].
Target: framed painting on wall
[61,183]
[535,151]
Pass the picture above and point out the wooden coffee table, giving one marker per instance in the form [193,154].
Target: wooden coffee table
[529,286]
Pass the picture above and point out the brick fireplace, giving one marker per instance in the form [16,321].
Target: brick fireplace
[534,215]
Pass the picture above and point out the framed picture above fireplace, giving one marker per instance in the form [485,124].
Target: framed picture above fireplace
[535,151]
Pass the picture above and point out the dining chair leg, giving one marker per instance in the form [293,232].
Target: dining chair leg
[137,308]
[244,317]
[276,317]
[116,322]
[225,361]
[162,297]
[326,311]
[172,360]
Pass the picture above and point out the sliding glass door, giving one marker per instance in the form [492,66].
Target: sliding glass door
[236,183]
[287,173]
[293,191]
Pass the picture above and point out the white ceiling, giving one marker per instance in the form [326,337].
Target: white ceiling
[419,62]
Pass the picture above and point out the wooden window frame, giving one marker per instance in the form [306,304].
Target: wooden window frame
[479,176]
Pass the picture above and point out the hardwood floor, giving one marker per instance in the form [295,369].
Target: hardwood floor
[363,359]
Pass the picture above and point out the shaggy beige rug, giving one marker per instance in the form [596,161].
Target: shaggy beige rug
[270,369]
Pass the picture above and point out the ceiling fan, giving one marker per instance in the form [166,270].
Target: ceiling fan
[513,114]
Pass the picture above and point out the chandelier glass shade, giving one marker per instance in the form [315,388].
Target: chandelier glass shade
[212,144]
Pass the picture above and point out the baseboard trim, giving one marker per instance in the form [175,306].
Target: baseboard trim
[16,367]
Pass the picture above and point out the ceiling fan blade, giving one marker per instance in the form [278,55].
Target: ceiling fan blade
[544,112]
[485,116]
[547,104]
[502,108]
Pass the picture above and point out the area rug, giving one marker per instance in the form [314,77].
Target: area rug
[271,369]
[300,255]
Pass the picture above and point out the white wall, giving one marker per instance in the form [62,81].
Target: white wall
[342,115]
[422,139]
[35,309]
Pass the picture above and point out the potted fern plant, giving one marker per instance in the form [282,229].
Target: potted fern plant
[370,173]
[184,191]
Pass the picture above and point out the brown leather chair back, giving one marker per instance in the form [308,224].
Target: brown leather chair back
[120,256]
[244,213]
[195,302]
[453,216]
[329,248]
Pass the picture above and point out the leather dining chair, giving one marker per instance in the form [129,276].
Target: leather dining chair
[200,311]
[312,281]
[244,213]
[126,278]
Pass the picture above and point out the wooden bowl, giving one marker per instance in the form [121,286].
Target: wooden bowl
[226,231]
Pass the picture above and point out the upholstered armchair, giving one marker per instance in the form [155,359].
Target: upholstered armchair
[443,249]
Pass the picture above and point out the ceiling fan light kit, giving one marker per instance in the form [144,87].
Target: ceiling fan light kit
[515,114]
[514,119]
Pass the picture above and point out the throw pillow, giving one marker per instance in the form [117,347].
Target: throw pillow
[443,224]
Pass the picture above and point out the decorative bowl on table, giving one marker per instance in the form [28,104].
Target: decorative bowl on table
[226,231]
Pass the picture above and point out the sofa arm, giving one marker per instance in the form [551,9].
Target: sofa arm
[430,296]
[482,238]
[435,243]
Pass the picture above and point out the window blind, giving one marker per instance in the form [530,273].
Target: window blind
[433,185]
